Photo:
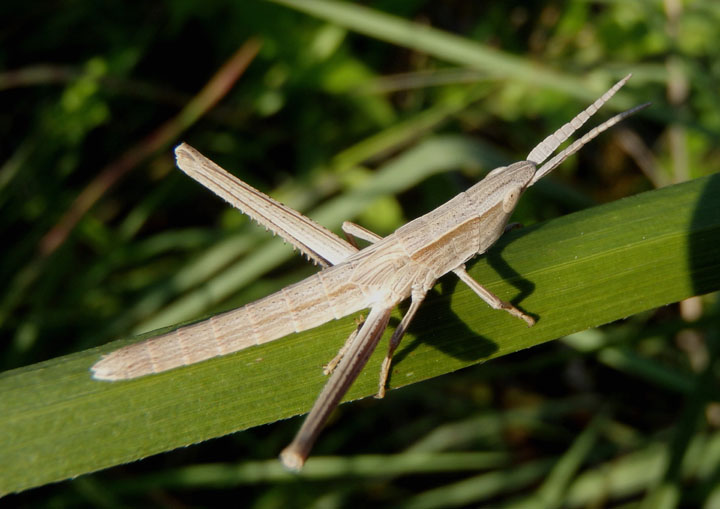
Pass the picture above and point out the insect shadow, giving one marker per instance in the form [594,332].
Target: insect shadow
[440,327]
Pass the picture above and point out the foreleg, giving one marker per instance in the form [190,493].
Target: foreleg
[492,300]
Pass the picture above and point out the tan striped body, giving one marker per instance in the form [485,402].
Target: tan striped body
[264,320]
[384,272]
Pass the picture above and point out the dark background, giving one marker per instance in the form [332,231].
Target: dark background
[97,225]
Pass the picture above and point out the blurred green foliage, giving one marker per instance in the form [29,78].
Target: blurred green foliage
[338,93]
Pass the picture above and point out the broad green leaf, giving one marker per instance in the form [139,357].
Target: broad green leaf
[575,272]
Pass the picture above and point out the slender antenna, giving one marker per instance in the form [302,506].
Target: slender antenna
[578,144]
[543,150]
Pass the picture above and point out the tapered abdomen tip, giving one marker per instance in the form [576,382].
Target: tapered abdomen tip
[105,369]
[121,364]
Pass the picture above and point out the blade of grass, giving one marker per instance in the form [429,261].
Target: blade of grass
[474,430]
[322,468]
[617,479]
[668,492]
[447,46]
[635,472]
[403,132]
[581,270]
[628,361]
[551,491]
[206,98]
[480,487]
[214,90]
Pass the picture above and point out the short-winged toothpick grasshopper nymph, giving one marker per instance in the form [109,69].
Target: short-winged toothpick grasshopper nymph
[405,264]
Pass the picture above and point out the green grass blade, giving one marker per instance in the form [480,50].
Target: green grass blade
[481,487]
[635,472]
[625,360]
[579,271]
[322,468]
[551,491]
[446,46]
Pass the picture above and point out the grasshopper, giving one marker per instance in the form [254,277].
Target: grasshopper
[406,263]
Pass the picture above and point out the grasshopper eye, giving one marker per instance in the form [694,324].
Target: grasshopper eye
[510,200]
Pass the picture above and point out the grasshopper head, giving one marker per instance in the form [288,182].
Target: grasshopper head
[518,176]
[509,182]
[497,194]
[504,186]
[494,199]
